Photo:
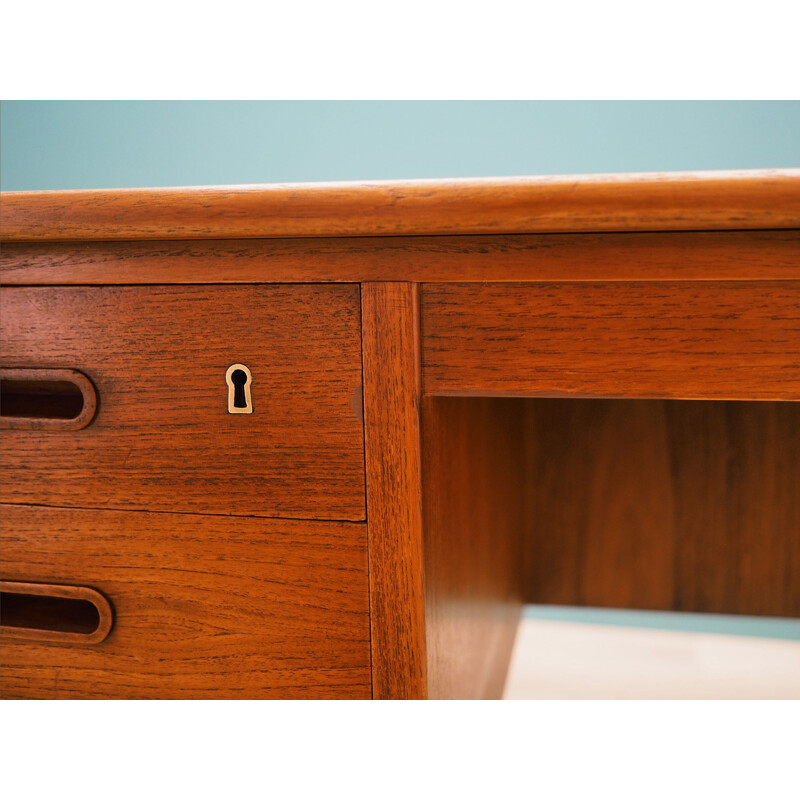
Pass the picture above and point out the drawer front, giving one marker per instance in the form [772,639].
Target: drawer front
[162,437]
[203,606]
[693,340]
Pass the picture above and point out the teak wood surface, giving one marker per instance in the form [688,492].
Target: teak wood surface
[474,502]
[390,319]
[162,438]
[204,606]
[444,509]
[669,505]
[718,255]
[744,199]
[511,332]
[692,340]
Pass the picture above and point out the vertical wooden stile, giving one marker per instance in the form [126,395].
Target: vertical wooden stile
[390,335]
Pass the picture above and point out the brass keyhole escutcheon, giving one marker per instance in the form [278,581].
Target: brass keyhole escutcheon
[240,400]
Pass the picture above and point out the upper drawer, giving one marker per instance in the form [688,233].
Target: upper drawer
[162,437]
[690,340]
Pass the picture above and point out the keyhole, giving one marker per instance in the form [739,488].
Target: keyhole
[239,378]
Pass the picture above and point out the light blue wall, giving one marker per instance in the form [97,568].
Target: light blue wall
[73,145]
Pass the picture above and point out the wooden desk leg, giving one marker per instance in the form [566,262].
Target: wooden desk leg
[445,516]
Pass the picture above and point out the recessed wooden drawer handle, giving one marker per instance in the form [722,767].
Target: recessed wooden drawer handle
[52,613]
[46,399]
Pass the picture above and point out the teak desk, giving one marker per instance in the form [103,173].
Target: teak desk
[324,440]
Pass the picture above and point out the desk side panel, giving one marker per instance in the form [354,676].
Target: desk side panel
[474,526]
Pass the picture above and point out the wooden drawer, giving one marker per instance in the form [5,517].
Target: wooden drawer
[704,340]
[203,606]
[162,437]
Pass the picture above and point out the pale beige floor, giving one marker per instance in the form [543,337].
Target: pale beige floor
[568,660]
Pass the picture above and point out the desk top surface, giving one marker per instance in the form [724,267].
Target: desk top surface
[677,201]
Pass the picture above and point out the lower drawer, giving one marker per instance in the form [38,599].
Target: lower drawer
[202,606]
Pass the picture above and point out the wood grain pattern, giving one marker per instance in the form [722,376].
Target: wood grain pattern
[394,487]
[162,438]
[703,340]
[648,201]
[666,505]
[474,524]
[84,594]
[719,255]
[205,606]
[600,515]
